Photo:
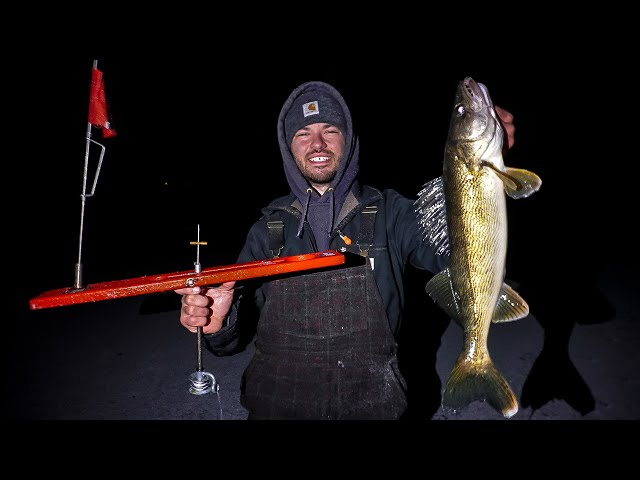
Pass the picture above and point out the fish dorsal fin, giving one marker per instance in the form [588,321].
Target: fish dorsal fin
[440,289]
[432,216]
[511,306]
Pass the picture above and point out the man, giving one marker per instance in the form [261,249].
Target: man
[325,344]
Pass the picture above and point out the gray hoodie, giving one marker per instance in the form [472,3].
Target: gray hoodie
[319,210]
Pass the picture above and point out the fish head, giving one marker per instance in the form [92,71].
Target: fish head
[474,124]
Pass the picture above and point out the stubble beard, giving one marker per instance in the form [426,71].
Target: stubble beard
[322,177]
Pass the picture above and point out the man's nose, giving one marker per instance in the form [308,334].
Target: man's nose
[317,142]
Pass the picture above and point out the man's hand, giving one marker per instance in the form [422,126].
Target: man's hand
[205,307]
[506,118]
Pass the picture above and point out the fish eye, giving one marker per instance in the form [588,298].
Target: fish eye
[460,110]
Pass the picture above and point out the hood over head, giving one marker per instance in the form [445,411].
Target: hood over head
[318,102]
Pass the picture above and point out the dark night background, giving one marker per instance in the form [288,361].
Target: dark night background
[197,144]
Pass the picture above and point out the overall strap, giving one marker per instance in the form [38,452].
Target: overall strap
[276,237]
[365,236]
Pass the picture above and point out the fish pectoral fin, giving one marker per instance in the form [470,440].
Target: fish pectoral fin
[440,289]
[511,306]
[510,183]
[526,182]
[518,183]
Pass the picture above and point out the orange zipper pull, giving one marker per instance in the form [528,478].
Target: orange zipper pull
[344,238]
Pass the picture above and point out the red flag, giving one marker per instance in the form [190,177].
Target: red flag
[98,114]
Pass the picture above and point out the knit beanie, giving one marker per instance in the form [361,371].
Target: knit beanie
[313,106]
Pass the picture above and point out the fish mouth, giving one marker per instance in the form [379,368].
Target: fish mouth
[485,93]
[476,94]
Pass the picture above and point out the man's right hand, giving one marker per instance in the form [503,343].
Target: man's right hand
[205,307]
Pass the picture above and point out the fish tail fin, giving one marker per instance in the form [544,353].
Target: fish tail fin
[468,383]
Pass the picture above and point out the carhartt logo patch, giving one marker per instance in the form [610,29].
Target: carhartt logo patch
[310,108]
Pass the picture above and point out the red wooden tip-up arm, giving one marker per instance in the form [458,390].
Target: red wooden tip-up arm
[172,281]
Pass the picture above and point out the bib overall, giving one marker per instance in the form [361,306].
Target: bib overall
[324,350]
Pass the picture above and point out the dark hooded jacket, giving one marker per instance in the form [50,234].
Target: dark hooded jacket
[314,223]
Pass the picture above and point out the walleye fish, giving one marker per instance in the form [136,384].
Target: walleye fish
[463,213]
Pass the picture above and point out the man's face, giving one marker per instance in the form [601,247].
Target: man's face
[318,150]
